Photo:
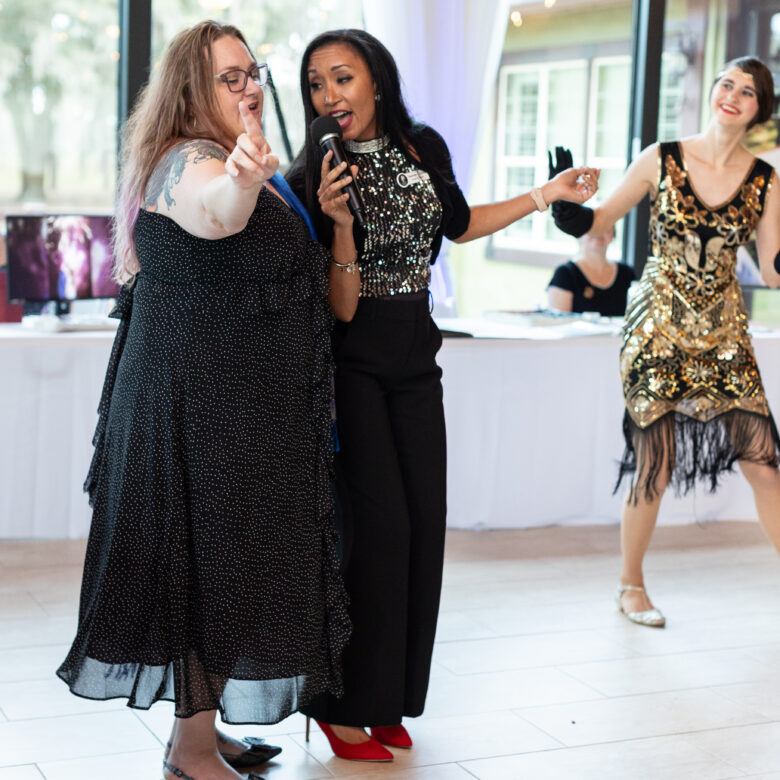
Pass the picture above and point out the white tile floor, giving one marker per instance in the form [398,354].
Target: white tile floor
[535,674]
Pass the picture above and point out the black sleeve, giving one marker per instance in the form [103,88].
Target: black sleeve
[436,156]
[625,276]
[564,278]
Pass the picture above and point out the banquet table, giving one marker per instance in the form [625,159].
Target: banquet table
[533,429]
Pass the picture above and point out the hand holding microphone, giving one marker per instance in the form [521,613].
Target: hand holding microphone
[337,185]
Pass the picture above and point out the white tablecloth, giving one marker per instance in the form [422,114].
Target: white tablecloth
[533,432]
[49,391]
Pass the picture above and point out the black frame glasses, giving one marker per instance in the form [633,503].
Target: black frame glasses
[236,79]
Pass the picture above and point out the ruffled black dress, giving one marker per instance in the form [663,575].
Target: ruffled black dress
[211,576]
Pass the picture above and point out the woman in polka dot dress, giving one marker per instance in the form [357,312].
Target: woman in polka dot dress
[211,577]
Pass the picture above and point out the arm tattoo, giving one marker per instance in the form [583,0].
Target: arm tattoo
[169,170]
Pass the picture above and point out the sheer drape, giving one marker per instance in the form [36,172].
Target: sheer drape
[448,53]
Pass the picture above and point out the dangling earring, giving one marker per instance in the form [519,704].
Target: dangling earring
[377,97]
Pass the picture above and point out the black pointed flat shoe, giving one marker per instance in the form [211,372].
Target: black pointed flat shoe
[174,770]
[257,753]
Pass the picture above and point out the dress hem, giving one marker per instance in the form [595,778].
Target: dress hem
[692,451]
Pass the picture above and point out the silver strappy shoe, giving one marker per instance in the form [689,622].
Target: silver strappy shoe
[648,617]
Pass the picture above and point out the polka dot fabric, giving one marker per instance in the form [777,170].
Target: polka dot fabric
[211,576]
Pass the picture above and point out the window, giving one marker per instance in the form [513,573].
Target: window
[59,63]
[580,104]
[697,42]
[607,117]
[774,30]
[58,104]
[670,108]
[278,32]
[540,106]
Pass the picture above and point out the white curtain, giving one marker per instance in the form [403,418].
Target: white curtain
[448,53]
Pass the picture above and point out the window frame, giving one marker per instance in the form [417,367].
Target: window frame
[591,124]
[536,241]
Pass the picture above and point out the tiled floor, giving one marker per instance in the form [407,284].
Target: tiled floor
[535,674]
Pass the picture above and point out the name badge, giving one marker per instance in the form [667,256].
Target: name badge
[411,177]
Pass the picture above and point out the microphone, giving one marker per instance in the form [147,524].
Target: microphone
[327,133]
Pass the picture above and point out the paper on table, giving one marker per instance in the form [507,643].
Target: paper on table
[502,328]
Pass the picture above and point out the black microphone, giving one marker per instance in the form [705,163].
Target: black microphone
[325,130]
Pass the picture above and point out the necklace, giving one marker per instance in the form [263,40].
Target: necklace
[365,147]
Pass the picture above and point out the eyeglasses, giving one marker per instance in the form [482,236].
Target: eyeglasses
[236,79]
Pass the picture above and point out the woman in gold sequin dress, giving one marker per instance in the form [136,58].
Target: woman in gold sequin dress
[695,404]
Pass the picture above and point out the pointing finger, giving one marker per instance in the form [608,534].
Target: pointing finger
[244,142]
[251,122]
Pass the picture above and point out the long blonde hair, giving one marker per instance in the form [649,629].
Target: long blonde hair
[178,103]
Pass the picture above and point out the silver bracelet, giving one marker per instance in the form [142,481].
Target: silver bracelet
[538,198]
[349,268]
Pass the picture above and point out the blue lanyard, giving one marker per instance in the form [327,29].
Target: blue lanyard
[277,181]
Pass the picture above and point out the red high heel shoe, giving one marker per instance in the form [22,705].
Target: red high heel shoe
[362,751]
[394,736]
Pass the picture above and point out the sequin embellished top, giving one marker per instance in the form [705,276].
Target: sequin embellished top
[403,216]
[685,343]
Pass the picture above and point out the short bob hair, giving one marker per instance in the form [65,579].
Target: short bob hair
[762,80]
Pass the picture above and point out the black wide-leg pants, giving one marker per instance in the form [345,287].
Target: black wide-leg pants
[391,475]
